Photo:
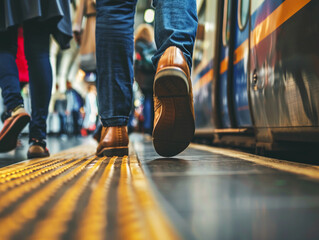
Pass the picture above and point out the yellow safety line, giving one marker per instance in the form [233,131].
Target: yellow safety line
[12,169]
[296,168]
[94,218]
[139,214]
[32,162]
[9,176]
[17,192]
[28,209]
[61,213]
[157,222]
[22,165]
[18,170]
[20,178]
[131,222]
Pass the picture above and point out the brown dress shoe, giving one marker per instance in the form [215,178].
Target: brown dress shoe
[38,149]
[12,127]
[174,123]
[113,142]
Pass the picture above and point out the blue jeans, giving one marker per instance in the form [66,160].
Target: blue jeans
[175,25]
[36,45]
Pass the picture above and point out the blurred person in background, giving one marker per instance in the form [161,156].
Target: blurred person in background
[39,20]
[144,71]
[58,106]
[90,110]
[135,121]
[84,35]
[64,62]
[74,103]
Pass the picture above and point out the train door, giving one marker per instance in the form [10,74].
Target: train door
[223,65]
[204,64]
[239,79]
[284,75]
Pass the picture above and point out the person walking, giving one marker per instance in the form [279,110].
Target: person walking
[85,35]
[175,31]
[58,106]
[39,19]
[90,110]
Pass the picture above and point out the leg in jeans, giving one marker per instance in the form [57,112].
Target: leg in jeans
[175,25]
[36,43]
[17,118]
[114,54]
[114,44]
[175,30]
[9,76]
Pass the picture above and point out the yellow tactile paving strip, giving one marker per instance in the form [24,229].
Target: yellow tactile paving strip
[94,218]
[40,198]
[156,221]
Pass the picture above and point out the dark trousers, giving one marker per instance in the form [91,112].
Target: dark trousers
[62,123]
[36,45]
[76,118]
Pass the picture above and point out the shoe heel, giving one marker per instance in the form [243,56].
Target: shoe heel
[171,82]
[175,128]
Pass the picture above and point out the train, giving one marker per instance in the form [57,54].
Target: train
[256,73]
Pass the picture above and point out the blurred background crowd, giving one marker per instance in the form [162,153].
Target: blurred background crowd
[73,106]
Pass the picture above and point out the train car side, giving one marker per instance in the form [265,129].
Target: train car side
[260,87]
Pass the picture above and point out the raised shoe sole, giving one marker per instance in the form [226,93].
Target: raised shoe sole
[113,151]
[9,140]
[175,127]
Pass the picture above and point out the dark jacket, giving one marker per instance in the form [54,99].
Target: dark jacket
[144,70]
[56,13]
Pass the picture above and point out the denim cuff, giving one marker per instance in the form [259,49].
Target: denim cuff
[14,100]
[115,121]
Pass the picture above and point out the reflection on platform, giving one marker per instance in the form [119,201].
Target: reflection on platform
[223,197]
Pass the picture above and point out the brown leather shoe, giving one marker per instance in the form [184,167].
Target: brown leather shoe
[38,149]
[113,142]
[174,123]
[12,127]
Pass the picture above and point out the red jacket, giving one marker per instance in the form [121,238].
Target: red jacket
[20,58]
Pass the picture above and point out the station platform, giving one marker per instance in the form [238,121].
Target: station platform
[203,193]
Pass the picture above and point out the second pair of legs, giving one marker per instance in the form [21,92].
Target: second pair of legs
[36,48]
[174,113]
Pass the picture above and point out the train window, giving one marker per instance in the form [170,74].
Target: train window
[226,22]
[243,10]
